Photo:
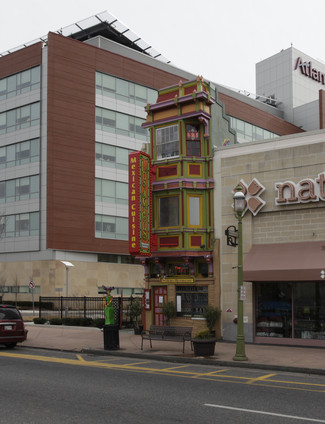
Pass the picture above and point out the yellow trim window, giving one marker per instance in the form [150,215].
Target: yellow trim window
[168,211]
[194,211]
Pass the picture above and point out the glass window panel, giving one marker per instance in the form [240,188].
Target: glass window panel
[309,310]
[34,221]
[108,120]
[10,226]
[24,120]
[122,156]
[141,133]
[195,218]
[122,89]
[36,75]
[140,95]
[167,141]
[132,92]
[3,121]
[11,155]
[168,211]
[23,152]
[98,189]
[3,191]
[152,96]
[273,310]
[122,191]
[10,190]
[108,155]
[35,111]
[99,78]
[23,187]
[3,88]
[34,184]
[108,84]
[11,85]
[25,78]
[193,300]
[2,157]
[11,119]
[98,151]
[122,124]
[108,224]
[108,189]
[122,228]
[35,148]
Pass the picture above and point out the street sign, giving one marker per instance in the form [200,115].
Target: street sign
[242,293]
[232,236]
[31,286]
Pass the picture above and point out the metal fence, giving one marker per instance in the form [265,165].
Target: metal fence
[85,307]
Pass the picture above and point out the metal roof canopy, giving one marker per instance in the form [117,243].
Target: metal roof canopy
[107,26]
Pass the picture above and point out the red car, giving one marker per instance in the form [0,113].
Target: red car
[12,327]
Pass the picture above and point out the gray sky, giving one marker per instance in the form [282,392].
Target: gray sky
[220,40]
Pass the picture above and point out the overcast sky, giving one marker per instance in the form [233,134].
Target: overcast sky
[220,40]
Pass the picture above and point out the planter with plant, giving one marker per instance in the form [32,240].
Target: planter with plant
[203,343]
[169,311]
[136,309]
[211,315]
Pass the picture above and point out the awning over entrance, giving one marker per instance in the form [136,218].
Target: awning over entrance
[285,262]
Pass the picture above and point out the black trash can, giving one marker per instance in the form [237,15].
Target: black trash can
[111,337]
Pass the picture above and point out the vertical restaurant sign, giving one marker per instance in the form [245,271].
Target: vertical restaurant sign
[139,204]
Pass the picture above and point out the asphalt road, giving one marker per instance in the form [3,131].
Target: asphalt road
[55,387]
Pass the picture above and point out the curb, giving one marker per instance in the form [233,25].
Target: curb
[205,361]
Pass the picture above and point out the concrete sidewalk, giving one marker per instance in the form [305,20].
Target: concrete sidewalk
[90,340]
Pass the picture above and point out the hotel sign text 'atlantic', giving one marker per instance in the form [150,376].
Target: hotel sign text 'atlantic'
[307,69]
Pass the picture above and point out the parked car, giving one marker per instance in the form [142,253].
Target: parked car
[12,327]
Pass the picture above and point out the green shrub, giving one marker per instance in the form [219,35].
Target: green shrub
[99,322]
[203,335]
[211,316]
[39,320]
[169,311]
[78,321]
[86,322]
[55,321]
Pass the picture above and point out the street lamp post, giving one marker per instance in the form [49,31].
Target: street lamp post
[67,266]
[239,206]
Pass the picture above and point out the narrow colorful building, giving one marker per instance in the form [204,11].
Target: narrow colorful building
[180,266]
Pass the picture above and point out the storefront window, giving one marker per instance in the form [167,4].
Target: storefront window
[309,311]
[191,300]
[273,310]
[290,310]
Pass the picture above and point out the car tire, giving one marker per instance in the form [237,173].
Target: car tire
[11,345]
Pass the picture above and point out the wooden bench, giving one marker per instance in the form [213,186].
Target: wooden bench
[172,334]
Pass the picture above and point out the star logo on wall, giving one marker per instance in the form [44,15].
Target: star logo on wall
[252,194]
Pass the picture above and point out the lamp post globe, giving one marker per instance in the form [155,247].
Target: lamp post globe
[239,207]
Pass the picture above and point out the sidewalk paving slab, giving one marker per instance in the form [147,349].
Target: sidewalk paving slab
[90,340]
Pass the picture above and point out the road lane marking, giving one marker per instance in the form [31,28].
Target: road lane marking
[212,373]
[212,376]
[136,363]
[174,368]
[253,411]
[263,377]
